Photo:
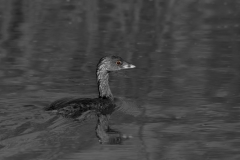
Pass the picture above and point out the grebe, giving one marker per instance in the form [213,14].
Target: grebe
[73,107]
[102,106]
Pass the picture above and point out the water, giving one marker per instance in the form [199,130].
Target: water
[186,82]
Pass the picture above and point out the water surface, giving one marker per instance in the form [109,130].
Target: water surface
[186,83]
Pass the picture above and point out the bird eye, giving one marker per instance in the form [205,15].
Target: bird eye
[118,62]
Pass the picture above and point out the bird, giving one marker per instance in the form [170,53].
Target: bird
[104,104]
[102,107]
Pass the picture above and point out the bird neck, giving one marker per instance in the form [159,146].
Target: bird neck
[103,84]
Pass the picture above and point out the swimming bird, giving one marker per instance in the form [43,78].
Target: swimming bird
[74,107]
[102,107]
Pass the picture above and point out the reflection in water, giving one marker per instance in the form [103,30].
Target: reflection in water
[186,80]
[105,133]
[83,109]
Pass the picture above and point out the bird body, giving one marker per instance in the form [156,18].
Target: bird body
[74,107]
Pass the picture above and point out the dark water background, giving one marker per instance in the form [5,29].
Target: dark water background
[187,80]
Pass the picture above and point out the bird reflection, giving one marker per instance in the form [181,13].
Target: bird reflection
[104,133]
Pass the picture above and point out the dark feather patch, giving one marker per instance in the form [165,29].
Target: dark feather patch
[75,107]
